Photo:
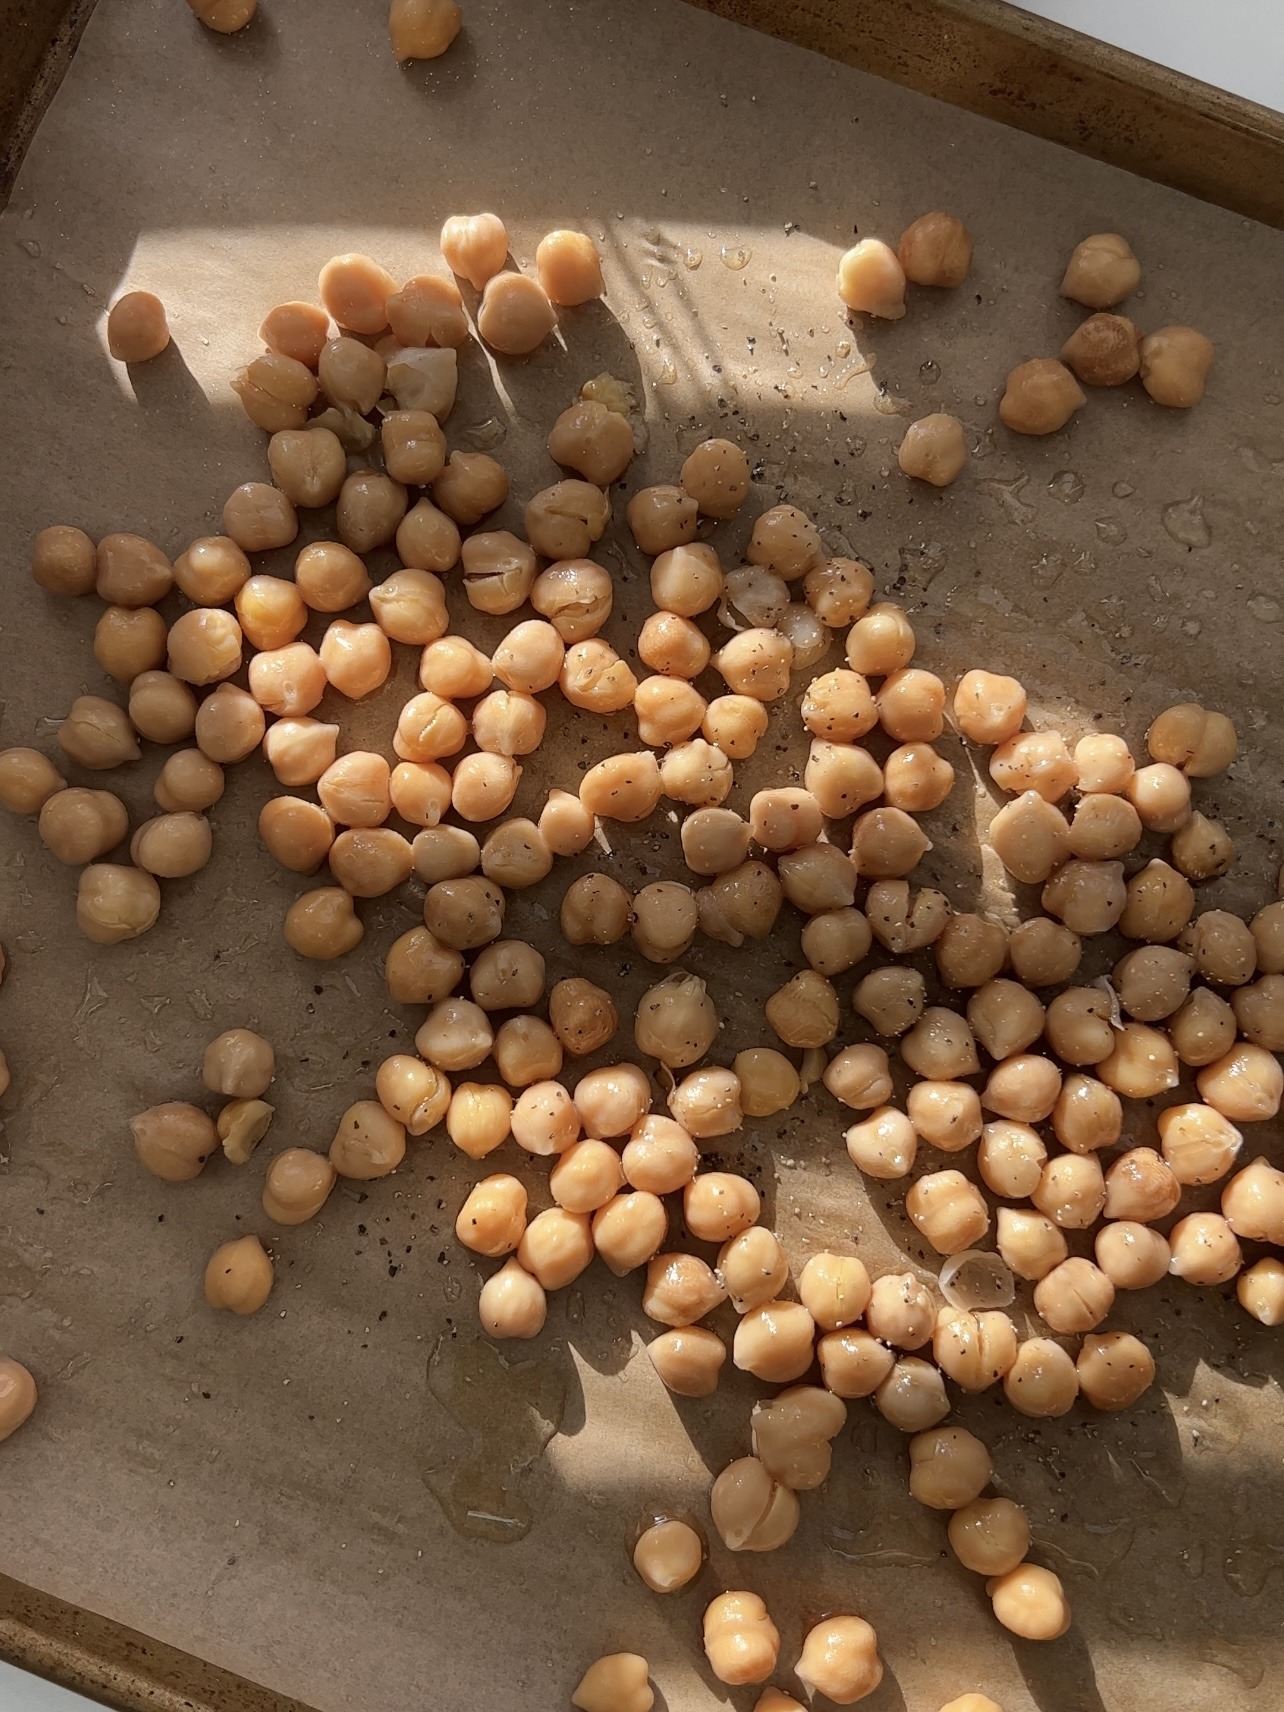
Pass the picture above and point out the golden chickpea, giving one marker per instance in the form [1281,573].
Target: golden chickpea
[1104,350]
[1071,1190]
[1074,1296]
[688,1359]
[129,640]
[413,1093]
[1031,1602]
[427,311]
[512,1304]
[663,520]
[669,1554]
[1267,928]
[949,1468]
[989,1536]
[137,329]
[1104,827]
[565,824]
[271,611]
[1023,1088]
[1010,1159]
[970,951]
[484,786]
[258,518]
[28,781]
[355,292]
[1174,366]
[842,777]
[840,1660]
[530,657]
[114,903]
[741,1642]
[838,591]
[368,1142]
[625,787]
[946,1115]
[475,246]
[660,1157]
[774,1342]
[478,1117]
[804,1012]
[569,268]
[834,941]
[575,595]
[63,560]
[707,1103]
[492,1220]
[355,789]
[172,846]
[1260,1290]
[557,1246]
[669,710]
[835,1290]
[369,513]
[933,449]
[330,577]
[1029,1243]
[887,843]
[515,316]
[884,1145]
[1101,272]
[1253,1203]
[595,911]
[238,1276]
[420,793]
[1039,397]
[936,249]
[871,280]
[1161,796]
[756,663]
[786,819]
[276,392]
[297,1185]
[673,646]
[1132,1256]
[1204,1249]
[323,924]
[419,969]
[174,1140]
[1005,1018]
[1087,1115]
[697,773]
[629,1230]
[900,1311]
[1042,1381]
[912,1397]
[974,1349]
[940,1046]
[188,781]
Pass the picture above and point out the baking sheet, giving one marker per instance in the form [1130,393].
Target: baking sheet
[276,1495]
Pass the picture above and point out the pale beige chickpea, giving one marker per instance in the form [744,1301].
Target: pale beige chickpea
[669,1554]
[427,311]
[688,1359]
[839,707]
[912,1397]
[838,591]
[355,292]
[478,1117]
[595,910]
[1198,1143]
[354,790]
[840,1660]
[1101,272]
[672,645]
[887,843]
[665,915]
[696,773]
[805,1012]
[455,1035]
[229,725]
[774,1342]
[1087,1115]
[891,999]
[204,646]
[970,951]
[974,1349]
[515,315]
[465,913]
[669,710]
[1005,1017]
[565,824]
[506,975]
[1259,1011]
[1039,397]
[475,246]
[271,611]
[276,392]
[884,1144]
[427,540]
[676,1021]
[419,792]
[297,1185]
[137,329]
[512,1304]
[949,1468]
[946,1115]
[1260,1291]
[419,969]
[836,940]
[368,1142]
[1223,947]
[1132,1256]
[880,642]
[916,778]
[1043,952]
[707,1103]
[1204,1249]
[515,855]
[686,579]
[624,787]
[212,571]
[131,571]
[594,677]
[129,640]
[330,577]
[239,1276]
[1104,350]
[662,520]
[323,924]
[1034,761]
[1031,1602]
[161,708]
[1042,1381]
[371,861]
[948,1210]
[594,441]
[174,1140]
[1160,794]
[936,249]
[526,1051]
[940,1046]
[1074,1296]
[853,1363]
[352,375]
[1023,1088]
[444,852]
[1071,1190]
[756,663]
[369,512]
[1175,362]
[1267,929]
[415,1094]
[530,657]
[659,1157]
[835,1289]
[172,846]
[900,1311]
[575,596]
[1115,1369]
[484,786]
[1088,897]
[97,734]
[1253,1203]
[628,1230]
[1202,849]
[1030,1244]
[785,818]
[718,1205]
[557,1246]
[1030,837]
[1104,827]
[911,705]
[989,1536]
[785,542]
[1142,1063]
[843,777]
[492,1220]
[751,1263]
[871,280]
[188,781]
[63,560]
[1158,905]
[562,522]
[612,1100]
[1010,1158]
[741,1642]
[258,517]
[933,449]
[28,780]
[817,877]
[742,903]
[545,1119]
[1153,982]
[429,728]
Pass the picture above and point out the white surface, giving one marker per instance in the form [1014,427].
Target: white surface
[22,1693]
[1236,44]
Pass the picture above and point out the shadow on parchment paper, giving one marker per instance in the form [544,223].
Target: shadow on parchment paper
[166,390]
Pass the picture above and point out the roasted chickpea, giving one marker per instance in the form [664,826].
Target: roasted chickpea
[989,1536]
[1005,1017]
[1071,1190]
[1042,1381]
[1104,350]
[946,1115]
[871,280]
[114,903]
[1029,1243]
[63,560]
[1174,366]
[1132,1256]
[323,924]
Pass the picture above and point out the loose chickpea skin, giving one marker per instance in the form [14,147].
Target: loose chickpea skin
[946,1115]
[1029,1243]
[1175,362]
[512,1304]
[78,826]
[1260,1291]
[63,560]
[1005,1018]
[1071,1190]
[323,924]
[1042,1381]
[1088,1115]
[1104,350]
[1253,1203]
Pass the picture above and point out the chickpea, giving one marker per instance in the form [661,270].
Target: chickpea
[989,1536]
[836,940]
[515,855]
[565,824]
[840,1659]
[1132,1256]
[427,311]
[1004,1017]
[970,951]
[239,1276]
[492,1221]
[974,1349]
[1074,1296]
[526,1051]
[1042,1381]
[1114,1369]
[1023,1088]
[440,852]
[575,595]
[95,734]
[679,1291]
[1199,1144]
[28,781]
[455,1035]
[659,1157]
[1142,1063]
[1089,897]
[137,329]
[842,778]
[676,1021]
[792,1435]
[887,844]
[838,591]
[271,612]
[774,1342]
[512,1304]
[258,518]
[484,786]
[669,710]
[188,781]
[464,913]
[562,523]
[673,646]
[1222,946]
[916,778]
[1153,982]
[515,316]
[1043,953]
[297,330]
[370,862]
[1039,397]
[162,709]
[1253,1203]
[1087,1115]
[1010,1159]
[420,793]
[624,787]
[629,1230]
[428,541]
[1030,837]
[355,790]
[664,921]
[1161,796]
[479,1117]
[1260,1290]
[948,1210]
[686,579]
[804,1012]
[871,280]
[1259,1011]
[1104,350]
[718,1206]
[592,440]
[949,1468]
[933,449]
[714,841]
[756,663]
[1204,1249]
[241,1125]
[595,910]
[1174,366]
[1031,1602]
[593,676]
[1036,761]
[355,292]
[1104,827]
[750,1510]
[557,1246]
[174,1140]
[475,246]
[669,1554]
[1102,271]
[741,1642]
[205,646]
[429,728]
[936,249]
[130,571]
[323,924]
[368,1143]
[63,560]
[618,1681]
[370,513]
[507,975]
[1029,1243]
[940,1046]
[330,577]
[688,1360]
[352,376]
[415,1094]
[419,969]
[707,1103]
[1267,928]
[787,819]
[297,1185]
[880,642]
[276,392]
[115,903]
[1071,1190]
[853,1363]
[900,1311]
[884,1144]
[1202,849]
[172,846]
[786,543]
[129,640]
[911,705]
[912,1397]
[946,1115]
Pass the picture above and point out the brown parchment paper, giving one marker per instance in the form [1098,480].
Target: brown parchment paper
[300,1497]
